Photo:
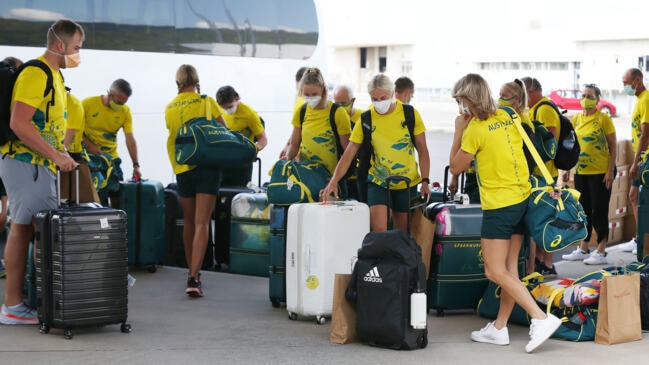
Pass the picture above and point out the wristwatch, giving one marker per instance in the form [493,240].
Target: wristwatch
[426,180]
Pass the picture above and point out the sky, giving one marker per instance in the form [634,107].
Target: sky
[348,22]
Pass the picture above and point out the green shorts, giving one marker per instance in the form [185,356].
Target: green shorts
[636,182]
[502,223]
[200,180]
[399,199]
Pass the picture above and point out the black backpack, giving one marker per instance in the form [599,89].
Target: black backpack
[388,270]
[366,152]
[8,76]
[568,148]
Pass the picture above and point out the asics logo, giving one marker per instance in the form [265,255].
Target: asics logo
[373,276]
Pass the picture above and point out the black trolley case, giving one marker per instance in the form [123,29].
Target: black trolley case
[81,267]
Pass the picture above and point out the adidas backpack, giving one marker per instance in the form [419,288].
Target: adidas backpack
[388,270]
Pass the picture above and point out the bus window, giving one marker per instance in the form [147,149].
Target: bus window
[244,28]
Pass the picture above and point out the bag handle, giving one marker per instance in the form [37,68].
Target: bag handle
[530,146]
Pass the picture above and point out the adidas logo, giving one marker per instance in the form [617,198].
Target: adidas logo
[373,276]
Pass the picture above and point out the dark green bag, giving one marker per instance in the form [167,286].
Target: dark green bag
[577,323]
[490,302]
[554,224]
[296,182]
[203,141]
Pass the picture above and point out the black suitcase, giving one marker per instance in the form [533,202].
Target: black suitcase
[174,254]
[277,255]
[388,271]
[222,216]
[81,268]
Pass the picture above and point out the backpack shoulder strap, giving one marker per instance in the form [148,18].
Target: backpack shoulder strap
[49,85]
[302,113]
[546,102]
[409,113]
[366,123]
[334,128]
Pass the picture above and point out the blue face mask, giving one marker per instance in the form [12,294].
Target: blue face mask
[629,90]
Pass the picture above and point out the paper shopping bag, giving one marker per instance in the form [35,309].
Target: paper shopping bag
[618,317]
[422,230]
[343,316]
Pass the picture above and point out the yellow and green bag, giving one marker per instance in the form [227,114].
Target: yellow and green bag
[296,182]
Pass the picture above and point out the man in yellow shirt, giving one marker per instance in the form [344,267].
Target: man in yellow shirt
[634,86]
[105,115]
[28,166]
[548,116]
[344,96]
[240,117]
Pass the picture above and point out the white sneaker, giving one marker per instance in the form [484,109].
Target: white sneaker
[597,258]
[635,251]
[541,330]
[576,255]
[628,246]
[490,334]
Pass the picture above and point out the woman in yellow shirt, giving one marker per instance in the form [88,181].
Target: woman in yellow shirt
[489,135]
[393,155]
[594,173]
[197,185]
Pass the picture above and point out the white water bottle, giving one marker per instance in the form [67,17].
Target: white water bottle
[418,310]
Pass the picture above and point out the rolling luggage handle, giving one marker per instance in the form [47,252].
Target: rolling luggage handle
[58,187]
[460,187]
[396,179]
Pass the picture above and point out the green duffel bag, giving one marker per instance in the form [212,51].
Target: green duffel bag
[203,141]
[490,302]
[296,182]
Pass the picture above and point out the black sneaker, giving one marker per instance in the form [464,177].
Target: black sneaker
[548,272]
[194,288]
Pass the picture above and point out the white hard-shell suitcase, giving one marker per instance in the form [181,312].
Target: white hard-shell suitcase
[321,240]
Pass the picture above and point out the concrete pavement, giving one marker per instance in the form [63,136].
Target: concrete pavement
[235,324]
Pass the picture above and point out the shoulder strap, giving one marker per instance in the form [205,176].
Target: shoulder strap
[334,128]
[302,113]
[366,123]
[530,146]
[409,113]
[546,102]
[49,85]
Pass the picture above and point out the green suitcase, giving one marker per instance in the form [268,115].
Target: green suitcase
[457,279]
[249,234]
[144,204]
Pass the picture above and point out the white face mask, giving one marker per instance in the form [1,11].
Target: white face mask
[313,101]
[231,110]
[382,106]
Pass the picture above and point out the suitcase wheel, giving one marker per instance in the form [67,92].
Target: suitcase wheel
[125,328]
[67,333]
[275,303]
[320,319]
[152,269]
[422,341]
[292,316]
[440,312]
[44,328]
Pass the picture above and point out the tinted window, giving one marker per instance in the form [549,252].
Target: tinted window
[248,28]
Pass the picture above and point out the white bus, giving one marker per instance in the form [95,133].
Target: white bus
[256,46]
